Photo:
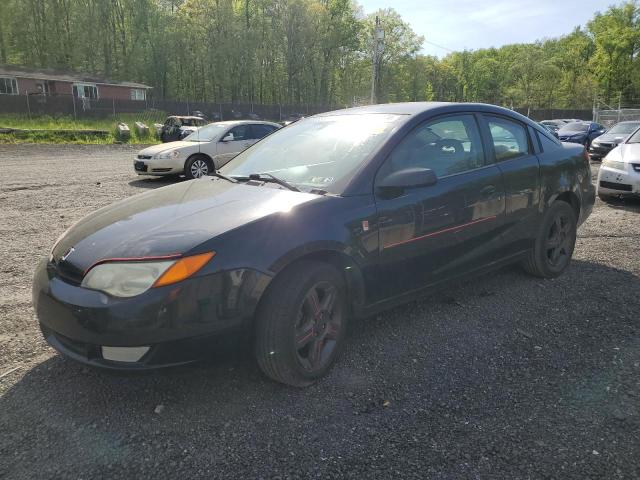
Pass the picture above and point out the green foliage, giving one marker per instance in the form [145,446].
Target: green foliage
[313,52]
[46,129]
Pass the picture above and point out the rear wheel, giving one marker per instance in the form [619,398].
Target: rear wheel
[555,242]
[198,166]
[301,324]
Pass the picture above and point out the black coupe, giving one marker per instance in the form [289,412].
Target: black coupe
[338,215]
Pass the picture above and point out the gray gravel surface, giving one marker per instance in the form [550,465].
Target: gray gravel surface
[503,376]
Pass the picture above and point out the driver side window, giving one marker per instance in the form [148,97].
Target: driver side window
[446,145]
[241,132]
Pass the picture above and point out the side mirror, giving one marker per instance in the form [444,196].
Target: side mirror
[228,138]
[408,178]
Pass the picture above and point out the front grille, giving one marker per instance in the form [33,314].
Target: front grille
[144,157]
[636,166]
[139,166]
[616,186]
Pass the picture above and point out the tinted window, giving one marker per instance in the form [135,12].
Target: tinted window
[258,131]
[447,146]
[509,138]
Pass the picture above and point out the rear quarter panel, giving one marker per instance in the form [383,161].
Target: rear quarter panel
[564,170]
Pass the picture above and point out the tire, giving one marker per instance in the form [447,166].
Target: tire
[555,242]
[197,166]
[606,198]
[301,324]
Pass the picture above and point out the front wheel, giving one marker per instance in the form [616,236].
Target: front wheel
[197,166]
[555,242]
[301,324]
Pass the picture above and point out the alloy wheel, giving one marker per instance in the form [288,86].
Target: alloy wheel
[559,240]
[318,326]
[199,168]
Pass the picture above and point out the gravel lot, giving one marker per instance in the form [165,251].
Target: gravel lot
[504,376]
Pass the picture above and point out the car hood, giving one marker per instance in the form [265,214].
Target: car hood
[626,152]
[153,150]
[170,220]
[612,137]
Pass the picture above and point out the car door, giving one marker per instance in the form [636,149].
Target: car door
[429,234]
[511,148]
[233,142]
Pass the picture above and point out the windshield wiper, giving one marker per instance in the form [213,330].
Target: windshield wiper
[216,173]
[267,177]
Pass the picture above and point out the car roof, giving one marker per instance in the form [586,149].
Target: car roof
[412,109]
[243,122]
[406,108]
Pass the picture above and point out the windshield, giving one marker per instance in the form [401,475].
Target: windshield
[624,128]
[635,138]
[575,127]
[206,133]
[317,152]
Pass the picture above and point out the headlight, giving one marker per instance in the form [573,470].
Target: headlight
[614,164]
[130,278]
[169,154]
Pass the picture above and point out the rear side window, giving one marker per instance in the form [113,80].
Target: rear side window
[447,145]
[509,138]
[548,144]
[259,131]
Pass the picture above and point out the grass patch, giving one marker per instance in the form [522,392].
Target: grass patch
[49,129]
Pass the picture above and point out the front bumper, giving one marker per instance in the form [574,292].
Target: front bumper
[177,322]
[158,167]
[598,152]
[612,181]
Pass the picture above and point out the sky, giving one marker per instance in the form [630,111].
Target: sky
[473,24]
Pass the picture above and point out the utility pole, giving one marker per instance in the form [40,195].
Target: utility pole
[378,48]
[619,105]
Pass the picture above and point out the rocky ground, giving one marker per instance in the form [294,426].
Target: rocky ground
[504,376]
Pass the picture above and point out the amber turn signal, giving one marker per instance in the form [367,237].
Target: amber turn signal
[183,268]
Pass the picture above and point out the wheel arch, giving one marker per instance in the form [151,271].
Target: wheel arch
[343,263]
[199,154]
[569,197]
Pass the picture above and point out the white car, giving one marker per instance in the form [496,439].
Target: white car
[619,174]
[204,151]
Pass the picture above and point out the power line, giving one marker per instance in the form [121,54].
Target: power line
[439,46]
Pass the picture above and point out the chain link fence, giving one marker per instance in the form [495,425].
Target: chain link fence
[609,118]
[84,108]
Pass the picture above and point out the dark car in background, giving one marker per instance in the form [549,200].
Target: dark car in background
[611,138]
[553,125]
[580,132]
[178,127]
[553,131]
[339,215]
